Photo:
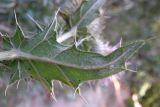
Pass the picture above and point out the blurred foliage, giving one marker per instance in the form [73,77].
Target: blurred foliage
[141,22]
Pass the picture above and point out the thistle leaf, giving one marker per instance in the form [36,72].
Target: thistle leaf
[42,58]
[46,60]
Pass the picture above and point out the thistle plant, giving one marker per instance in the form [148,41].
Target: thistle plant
[45,58]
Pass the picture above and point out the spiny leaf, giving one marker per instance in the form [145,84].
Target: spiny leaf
[46,60]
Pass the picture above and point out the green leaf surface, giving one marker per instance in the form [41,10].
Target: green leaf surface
[18,37]
[44,59]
